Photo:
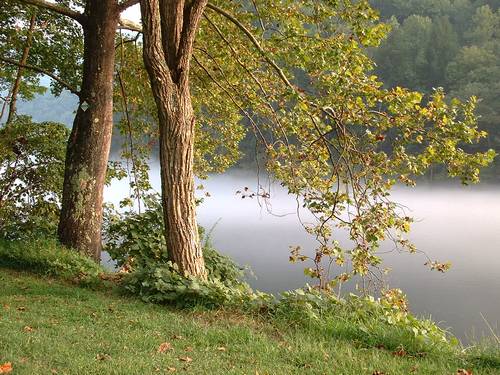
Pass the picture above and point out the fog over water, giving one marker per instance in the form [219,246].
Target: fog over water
[453,223]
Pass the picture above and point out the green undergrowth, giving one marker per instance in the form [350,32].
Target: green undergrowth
[52,326]
[221,326]
[47,257]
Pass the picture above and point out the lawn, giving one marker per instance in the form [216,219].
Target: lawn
[52,327]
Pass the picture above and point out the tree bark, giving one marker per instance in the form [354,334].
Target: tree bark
[89,144]
[176,159]
[22,61]
[169,28]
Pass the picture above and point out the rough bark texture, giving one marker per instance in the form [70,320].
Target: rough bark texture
[17,83]
[90,139]
[169,30]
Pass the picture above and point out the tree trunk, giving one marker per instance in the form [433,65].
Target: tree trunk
[22,61]
[177,177]
[89,144]
[167,51]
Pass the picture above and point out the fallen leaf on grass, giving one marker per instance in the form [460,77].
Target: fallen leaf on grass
[164,347]
[221,349]
[177,337]
[6,368]
[21,308]
[188,348]
[171,369]
[28,329]
[400,353]
[103,357]
[464,372]
[378,373]
[186,359]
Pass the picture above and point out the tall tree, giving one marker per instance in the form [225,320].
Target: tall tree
[442,48]
[90,139]
[89,142]
[17,29]
[169,32]
[299,76]
[403,57]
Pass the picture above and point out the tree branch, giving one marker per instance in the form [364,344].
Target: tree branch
[55,8]
[189,29]
[125,41]
[154,58]
[43,71]
[271,62]
[254,41]
[255,127]
[129,25]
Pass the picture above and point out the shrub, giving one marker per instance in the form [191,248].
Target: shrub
[47,257]
[137,243]
[164,284]
[135,240]
[31,177]
[385,321]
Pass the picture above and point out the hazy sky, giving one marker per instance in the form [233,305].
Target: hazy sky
[133,13]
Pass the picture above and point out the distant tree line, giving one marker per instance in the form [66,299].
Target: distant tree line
[454,44]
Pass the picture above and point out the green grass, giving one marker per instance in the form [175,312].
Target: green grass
[48,257]
[49,326]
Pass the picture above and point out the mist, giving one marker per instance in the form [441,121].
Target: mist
[452,223]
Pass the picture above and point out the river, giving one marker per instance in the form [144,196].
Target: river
[452,223]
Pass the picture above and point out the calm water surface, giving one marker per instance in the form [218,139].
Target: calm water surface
[454,223]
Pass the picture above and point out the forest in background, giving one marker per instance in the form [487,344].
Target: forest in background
[454,44]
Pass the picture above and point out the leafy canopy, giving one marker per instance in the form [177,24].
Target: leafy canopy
[296,75]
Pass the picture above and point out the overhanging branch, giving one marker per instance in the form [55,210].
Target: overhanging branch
[254,41]
[43,71]
[55,8]
[129,25]
[324,110]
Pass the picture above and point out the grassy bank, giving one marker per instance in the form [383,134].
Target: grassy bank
[49,326]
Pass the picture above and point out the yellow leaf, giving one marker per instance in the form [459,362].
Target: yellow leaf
[6,368]
[164,347]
